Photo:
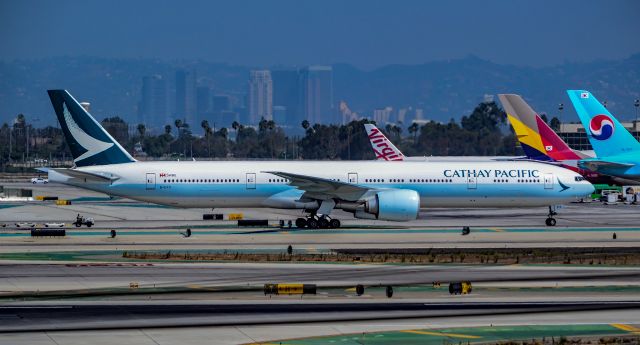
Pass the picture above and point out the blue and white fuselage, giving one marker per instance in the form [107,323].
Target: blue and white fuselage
[247,184]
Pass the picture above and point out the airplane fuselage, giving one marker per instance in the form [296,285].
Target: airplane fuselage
[206,184]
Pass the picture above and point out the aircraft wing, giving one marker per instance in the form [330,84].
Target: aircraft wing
[74,173]
[322,189]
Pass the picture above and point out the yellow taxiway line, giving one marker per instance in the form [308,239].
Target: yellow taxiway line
[450,335]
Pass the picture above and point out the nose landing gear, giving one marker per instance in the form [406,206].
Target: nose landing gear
[550,220]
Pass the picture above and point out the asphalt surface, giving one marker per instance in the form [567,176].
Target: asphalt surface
[43,277]
[126,316]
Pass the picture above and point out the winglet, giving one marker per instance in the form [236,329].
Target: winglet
[382,147]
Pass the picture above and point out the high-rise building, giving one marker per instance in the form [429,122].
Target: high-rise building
[153,110]
[260,96]
[203,103]
[286,95]
[221,103]
[316,87]
[186,97]
[382,116]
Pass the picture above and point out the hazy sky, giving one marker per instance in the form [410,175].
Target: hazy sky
[366,33]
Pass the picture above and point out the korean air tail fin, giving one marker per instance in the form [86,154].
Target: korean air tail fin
[89,142]
[606,134]
[537,139]
[382,147]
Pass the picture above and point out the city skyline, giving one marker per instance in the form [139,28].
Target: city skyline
[438,91]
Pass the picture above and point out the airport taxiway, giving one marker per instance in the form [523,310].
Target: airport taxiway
[85,271]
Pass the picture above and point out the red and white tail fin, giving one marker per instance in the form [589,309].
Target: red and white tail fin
[382,147]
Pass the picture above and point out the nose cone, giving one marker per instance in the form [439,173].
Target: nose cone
[586,188]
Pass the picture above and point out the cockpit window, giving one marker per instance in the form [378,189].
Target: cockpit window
[579,178]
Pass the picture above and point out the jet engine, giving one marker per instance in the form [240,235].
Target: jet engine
[396,205]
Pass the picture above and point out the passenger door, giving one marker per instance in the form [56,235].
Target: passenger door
[353,178]
[251,181]
[472,182]
[548,181]
[151,181]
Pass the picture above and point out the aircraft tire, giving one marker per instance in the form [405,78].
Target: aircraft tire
[301,223]
[334,224]
[312,223]
[550,222]
[323,223]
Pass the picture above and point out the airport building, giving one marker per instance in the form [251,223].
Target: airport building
[576,137]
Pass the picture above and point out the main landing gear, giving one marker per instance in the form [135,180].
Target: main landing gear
[318,222]
[550,220]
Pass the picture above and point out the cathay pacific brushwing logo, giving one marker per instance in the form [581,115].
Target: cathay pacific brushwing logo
[563,186]
[89,143]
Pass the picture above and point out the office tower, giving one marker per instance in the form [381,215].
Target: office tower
[153,110]
[280,114]
[203,104]
[382,116]
[260,96]
[346,114]
[221,103]
[316,87]
[286,95]
[186,97]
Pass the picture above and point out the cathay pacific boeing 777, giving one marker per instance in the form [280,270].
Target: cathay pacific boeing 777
[368,189]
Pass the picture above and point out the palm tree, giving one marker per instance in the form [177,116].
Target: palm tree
[305,124]
[207,134]
[413,129]
[235,125]
[142,129]
[178,124]
[167,129]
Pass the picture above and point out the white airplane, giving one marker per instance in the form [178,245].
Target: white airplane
[368,189]
[386,151]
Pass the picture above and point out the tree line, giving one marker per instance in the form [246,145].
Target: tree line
[484,132]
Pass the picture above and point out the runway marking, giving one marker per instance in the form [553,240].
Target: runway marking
[627,328]
[496,229]
[450,335]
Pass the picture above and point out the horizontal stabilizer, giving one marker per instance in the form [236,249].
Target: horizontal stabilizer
[74,173]
[595,164]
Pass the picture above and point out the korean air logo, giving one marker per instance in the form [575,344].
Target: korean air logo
[601,127]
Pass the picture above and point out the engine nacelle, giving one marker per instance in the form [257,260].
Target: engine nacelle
[396,205]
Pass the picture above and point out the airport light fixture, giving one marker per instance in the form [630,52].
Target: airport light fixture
[560,108]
